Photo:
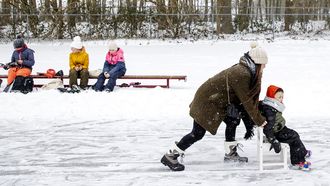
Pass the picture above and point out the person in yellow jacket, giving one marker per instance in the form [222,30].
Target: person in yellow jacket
[79,62]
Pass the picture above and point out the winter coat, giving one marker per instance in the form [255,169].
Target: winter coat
[79,59]
[114,57]
[275,120]
[209,105]
[26,54]
[111,69]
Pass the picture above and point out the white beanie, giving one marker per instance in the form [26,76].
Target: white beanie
[113,46]
[258,55]
[76,43]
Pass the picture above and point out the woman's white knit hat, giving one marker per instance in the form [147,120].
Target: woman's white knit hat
[258,55]
[76,43]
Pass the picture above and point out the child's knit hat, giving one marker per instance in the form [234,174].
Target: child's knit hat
[76,43]
[272,90]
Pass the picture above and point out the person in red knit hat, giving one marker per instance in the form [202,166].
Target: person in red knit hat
[272,108]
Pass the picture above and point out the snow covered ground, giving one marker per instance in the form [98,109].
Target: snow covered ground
[118,138]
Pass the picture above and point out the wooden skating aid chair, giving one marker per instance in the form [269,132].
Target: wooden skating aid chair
[263,145]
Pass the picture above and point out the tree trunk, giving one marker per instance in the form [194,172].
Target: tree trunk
[288,19]
[224,20]
[243,15]
[6,9]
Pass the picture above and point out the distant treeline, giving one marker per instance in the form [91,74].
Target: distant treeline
[97,19]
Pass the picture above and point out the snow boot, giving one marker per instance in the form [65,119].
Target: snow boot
[170,159]
[231,152]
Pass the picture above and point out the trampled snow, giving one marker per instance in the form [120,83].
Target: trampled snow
[118,138]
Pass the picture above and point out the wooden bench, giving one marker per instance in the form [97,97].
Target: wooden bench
[167,79]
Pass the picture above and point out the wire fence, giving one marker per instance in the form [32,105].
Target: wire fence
[159,25]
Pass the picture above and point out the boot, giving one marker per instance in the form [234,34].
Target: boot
[304,166]
[170,159]
[231,152]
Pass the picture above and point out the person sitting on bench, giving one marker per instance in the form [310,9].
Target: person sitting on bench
[113,68]
[21,63]
[79,62]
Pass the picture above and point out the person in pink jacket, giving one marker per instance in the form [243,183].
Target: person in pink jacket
[113,68]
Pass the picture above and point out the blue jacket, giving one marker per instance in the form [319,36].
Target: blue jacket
[27,55]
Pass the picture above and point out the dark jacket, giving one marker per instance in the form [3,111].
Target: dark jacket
[275,120]
[26,54]
[209,105]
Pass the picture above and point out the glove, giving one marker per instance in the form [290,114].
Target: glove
[6,67]
[275,144]
[106,74]
[249,134]
[77,68]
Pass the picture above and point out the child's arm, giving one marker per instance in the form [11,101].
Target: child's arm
[270,115]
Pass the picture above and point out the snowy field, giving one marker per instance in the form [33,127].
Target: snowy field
[118,138]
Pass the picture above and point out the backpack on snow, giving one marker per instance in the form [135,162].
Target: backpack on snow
[23,84]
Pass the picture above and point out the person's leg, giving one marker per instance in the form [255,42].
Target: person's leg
[98,86]
[84,75]
[25,72]
[112,80]
[73,76]
[196,134]
[11,75]
[170,159]
[231,125]
[231,145]
[297,148]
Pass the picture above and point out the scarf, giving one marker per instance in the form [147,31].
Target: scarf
[274,103]
[247,60]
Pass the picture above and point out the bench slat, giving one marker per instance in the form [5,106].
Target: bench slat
[123,77]
[142,77]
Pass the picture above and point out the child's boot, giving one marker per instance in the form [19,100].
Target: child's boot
[304,166]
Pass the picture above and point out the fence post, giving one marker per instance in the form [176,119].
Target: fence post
[89,26]
[27,27]
[273,23]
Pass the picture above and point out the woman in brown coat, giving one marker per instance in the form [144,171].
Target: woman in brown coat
[229,96]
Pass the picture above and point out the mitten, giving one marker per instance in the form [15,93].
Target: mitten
[6,67]
[106,74]
[275,144]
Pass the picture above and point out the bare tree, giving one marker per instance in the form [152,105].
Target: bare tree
[242,18]
[289,18]
[6,10]
[224,21]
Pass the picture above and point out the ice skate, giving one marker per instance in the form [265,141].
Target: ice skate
[170,159]
[231,154]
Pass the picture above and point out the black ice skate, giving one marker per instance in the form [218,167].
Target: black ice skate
[231,154]
[170,159]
